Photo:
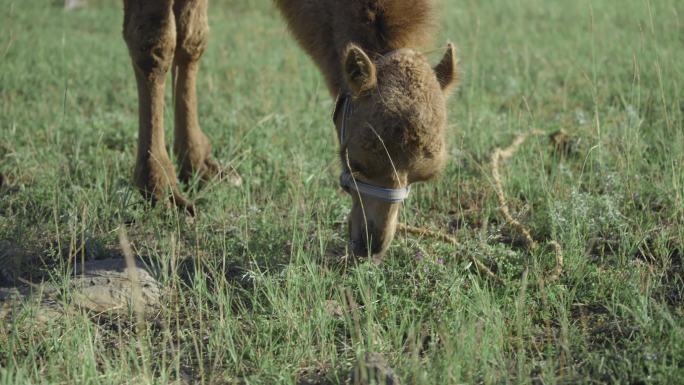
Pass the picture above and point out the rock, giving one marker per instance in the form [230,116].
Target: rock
[97,286]
[8,299]
[106,285]
[373,369]
[318,375]
[37,302]
[334,309]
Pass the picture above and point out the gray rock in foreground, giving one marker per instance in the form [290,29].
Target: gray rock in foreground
[373,369]
[98,286]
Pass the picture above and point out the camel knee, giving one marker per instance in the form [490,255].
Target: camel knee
[192,29]
[150,34]
[191,46]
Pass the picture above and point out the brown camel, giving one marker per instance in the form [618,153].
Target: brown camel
[390,112]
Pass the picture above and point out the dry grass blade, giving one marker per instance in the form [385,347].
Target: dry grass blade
[136,300]
[136,291]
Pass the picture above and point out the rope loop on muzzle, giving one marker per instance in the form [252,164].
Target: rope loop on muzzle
[393,195]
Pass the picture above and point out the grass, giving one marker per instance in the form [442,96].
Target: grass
[252,304]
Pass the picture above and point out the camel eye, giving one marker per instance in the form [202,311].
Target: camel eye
[358,168]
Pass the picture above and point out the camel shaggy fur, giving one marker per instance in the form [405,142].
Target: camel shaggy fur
[367,52]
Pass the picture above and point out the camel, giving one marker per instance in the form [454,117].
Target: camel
[390,104]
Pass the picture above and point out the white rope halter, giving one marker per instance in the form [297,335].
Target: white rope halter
[348,181]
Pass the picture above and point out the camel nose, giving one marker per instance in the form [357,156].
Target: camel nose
[361,250]
[362,247]
[372,224]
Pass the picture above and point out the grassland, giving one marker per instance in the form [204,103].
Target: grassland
[249,283]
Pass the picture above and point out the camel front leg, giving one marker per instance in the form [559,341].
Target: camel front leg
[150,34]
[191,145]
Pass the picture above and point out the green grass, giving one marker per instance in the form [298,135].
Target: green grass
[259,262]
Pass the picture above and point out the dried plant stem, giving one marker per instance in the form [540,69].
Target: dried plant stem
[498,156]
[422,232]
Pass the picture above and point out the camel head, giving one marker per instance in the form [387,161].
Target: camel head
[391,125]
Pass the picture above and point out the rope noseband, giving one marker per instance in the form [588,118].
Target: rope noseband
[348,181]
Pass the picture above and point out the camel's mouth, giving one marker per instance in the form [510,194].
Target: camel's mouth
[372,224]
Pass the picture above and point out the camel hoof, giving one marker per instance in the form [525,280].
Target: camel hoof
[229,174]
[169,194]
[211,170]
[182,204]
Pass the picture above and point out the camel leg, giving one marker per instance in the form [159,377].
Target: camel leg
[191,145]
[150,34]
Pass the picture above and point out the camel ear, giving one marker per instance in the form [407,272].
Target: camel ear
[359,70]
[447,70]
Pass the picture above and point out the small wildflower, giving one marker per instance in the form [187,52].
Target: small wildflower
[440,261]
[419,255]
